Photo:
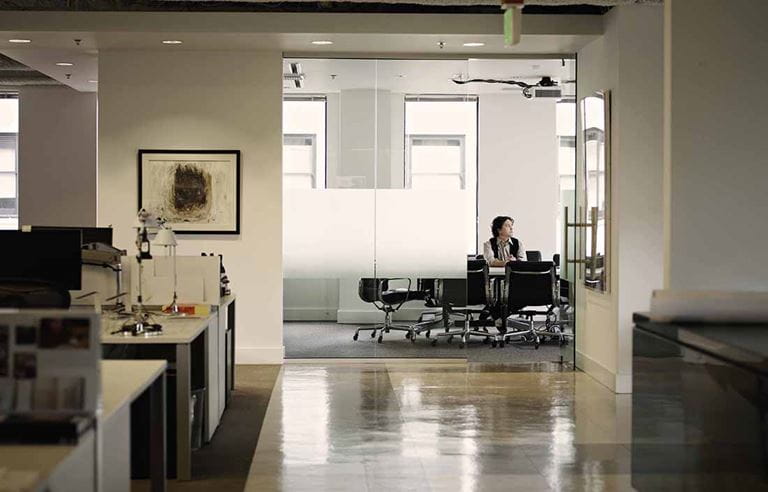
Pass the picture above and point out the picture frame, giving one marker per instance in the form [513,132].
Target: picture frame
[195,191]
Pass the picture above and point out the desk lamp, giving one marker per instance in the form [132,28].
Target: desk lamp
[166,237]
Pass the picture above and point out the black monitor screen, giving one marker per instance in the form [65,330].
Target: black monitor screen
[90,234]
[53,256]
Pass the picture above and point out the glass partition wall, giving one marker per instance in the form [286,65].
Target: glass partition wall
[391,178]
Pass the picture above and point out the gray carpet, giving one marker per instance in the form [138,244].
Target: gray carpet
[308,340]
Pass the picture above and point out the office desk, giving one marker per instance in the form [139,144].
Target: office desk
[51,467]
[699,406]
[130,386]
[184,344]
[73,467]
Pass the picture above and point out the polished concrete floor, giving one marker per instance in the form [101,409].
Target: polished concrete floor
[440,426]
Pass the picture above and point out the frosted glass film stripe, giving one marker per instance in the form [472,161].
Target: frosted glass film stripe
[328,233]
[422,233]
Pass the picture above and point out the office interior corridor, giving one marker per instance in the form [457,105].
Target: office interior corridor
[441,426]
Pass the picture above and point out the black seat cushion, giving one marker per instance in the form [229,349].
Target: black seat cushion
[394,296]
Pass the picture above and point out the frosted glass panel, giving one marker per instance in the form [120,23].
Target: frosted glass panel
[436,159]
[298,158]
[422,233]
[328,233]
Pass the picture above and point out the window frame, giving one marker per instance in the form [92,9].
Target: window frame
[462,174]
[310,98]
[303,136]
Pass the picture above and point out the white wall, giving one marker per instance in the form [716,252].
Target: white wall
[518,168]
[57,156]
[166,100]
[716,201]
[628,61]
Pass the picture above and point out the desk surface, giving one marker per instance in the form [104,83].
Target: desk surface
[175,330]
[122,381]
[742,344]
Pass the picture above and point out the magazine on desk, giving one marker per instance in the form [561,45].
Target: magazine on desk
[49,375]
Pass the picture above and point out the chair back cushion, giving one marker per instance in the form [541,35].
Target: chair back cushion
[477,283]
[533,255]
[529,283]
[368,289]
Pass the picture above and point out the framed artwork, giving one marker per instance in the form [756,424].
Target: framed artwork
[195,191]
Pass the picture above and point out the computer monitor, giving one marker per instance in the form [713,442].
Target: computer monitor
[90,234]
[48,255]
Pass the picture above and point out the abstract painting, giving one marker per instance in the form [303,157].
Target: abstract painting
[196,192]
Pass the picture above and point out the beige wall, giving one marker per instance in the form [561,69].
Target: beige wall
[204,100]
[716,200]
[627,61]
[57,156]
[518,168]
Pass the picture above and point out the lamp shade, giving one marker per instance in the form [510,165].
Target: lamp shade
[165,237]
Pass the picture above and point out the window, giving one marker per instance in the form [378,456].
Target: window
[299,161]
[304,142]
[435,162]
[9,131]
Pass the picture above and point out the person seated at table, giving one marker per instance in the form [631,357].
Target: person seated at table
[502,247]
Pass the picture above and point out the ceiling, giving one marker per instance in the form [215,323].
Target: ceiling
[425,76]
[78,37]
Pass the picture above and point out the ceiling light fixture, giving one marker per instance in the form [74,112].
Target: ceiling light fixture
[322,42]
[474,45]
[65,64]
[93,81]
[20,41]
[172,41]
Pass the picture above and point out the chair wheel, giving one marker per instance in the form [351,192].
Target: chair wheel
[536,343]
[461,345]
[434,342]
[407,335]
[493,343]
[450,339]
[373,334]
[413,338]
[354,337]
[428,333]
[486,340]
[501,343]
[381,338]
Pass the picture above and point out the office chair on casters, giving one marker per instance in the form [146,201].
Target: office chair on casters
[377,292]
[478,294]
[529,285]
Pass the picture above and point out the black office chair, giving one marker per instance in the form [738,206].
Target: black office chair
[478,294]
[378,292]
[32,294]
[533,255]
[529,291]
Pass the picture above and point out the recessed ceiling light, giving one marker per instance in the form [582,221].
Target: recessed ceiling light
[322,42]
[474,45]
[65,64]
[20,41]
[401,75]
[93,81]
[172,41]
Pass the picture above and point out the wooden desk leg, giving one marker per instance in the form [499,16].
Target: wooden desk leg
[183,425]
[157,447]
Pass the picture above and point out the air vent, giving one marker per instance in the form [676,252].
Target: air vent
[546,92]
[295,77]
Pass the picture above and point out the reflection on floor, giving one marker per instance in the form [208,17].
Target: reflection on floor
[450,426]
[307,340]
